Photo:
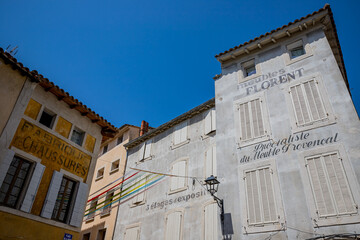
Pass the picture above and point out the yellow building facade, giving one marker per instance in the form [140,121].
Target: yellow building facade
[49,144]
[102,207]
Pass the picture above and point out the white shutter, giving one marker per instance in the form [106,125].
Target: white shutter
[214,167]
[141,152]
[208,123]
[52,194]
[174,180]
[132,233]
[251,120]
[213,120]
[79,206]
[261,203]
[173,226]
[208,163]
[210,222]
[33,187]
[183,131]
[182,172]
[330,186]
[147,152]
[177,134]
[140,197]
[5,164]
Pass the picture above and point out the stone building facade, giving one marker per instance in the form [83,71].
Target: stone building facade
[49,143]
[287,148]
[100,218]
[176,154]
[288,128]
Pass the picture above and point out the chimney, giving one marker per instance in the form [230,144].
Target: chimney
[144,127]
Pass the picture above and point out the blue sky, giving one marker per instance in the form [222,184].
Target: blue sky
[151,60]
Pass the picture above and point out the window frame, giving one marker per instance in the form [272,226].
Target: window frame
[243,65]
[331,119]
[106,210]
[175,131]
[134,225]
[265,227]
[209,116]
[118,142]
[91,216]
[265,117]
[211,148]
[144,146]
[49,112]
[25,184]
[113,170]
[288,46]
[203,221]
[172,191]
[141,180]
[182,211]
[97,173]
[310,199]
[77,129]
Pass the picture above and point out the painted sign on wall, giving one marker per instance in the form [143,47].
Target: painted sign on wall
[50,149]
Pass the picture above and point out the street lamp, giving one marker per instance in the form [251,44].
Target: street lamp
[212,185]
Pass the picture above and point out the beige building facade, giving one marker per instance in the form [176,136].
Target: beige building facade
[49,144]
[102,207]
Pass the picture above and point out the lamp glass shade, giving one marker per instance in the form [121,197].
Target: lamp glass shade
[212,184]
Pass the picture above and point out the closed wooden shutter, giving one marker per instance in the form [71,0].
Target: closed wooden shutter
[210,222]
[178,169]
[147,152]
[331,190]
[132,233]
[79,205]
[180,134]
[307,103]
[141,152]
[210,162]
[261,205]
[210,123]
[52,194]
[140,186]
[33,187]
[251,120]
[173,226]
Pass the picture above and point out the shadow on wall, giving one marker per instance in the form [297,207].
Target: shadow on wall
[227,229]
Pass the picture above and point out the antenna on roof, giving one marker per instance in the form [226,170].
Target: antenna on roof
[12,51]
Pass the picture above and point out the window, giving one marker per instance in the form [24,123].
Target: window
[249,68]
[210,123]
[86,236]
[261,203]
[210,218]
[77,136]
[47,118]
[180,134]
[100,173]
[179,183]
[92,209]
[329,185]
[173,223]
[307,103]
[101,234]
[296,49]
[120,140]
[145,151]
[13,184]
[108,203]
[140,187]
[252,125]
[105,149]
[210,162]
[132,232]
[115,166]
[63,200]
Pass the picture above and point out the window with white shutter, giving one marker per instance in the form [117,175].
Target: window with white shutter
[252,120]
[330,186]
[210,121]
[210,231]
[140,185]
[92,210]
[180,134]
[210,162]
[173,223]
[178,182]
[107,203]
[51,195]
[145,151]
[132,233]
[79,204]
[261,195]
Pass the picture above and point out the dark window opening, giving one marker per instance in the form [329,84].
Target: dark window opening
[47,119]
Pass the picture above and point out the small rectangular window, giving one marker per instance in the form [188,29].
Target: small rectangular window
[145,151]
[210,123]
[77,136]
[13,184]
[105,149]
[63,200]
[107,204]
[47,118]
[115,165]
[120,140]
[180,134]
[296,49]
[86,236]
[101,234]
[92,209]
[132,233]
[178,181]
[249,68]
[140,186]
[100,173]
